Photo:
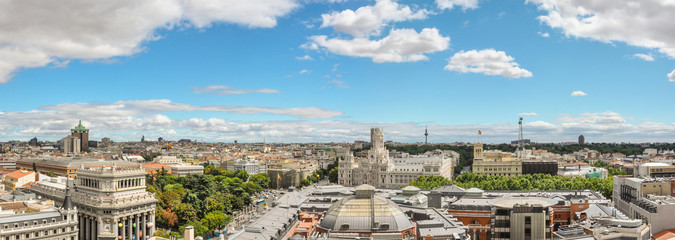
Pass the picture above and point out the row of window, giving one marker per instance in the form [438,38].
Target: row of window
[39,234]
[25,224]
[495,169]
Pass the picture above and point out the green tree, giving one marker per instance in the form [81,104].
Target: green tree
[333,175]
[214,220]
[251,188]
[261,179]
[185,212]
[430,182]
[51,173]
[304,182]
[214,205]
[243,175]
[200,229]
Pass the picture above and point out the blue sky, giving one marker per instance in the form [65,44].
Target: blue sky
[306,71]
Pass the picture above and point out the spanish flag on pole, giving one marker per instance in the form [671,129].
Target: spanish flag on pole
[279,177]
[480,133]
[169,145]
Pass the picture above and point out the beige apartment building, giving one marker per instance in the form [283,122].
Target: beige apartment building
[495,163]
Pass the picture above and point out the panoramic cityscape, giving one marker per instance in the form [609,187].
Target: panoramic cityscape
[337,119]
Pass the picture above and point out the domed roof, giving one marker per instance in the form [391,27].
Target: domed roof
[365,212]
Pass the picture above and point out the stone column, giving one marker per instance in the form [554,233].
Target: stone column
[123,232]
[80,226]
[137,219]
[144,223]
[154,223]
[96,223]
[92,228]
[131,232]
[86,230]
[116,227]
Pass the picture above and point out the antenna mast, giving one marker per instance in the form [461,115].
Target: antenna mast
[520,138]
[426,135]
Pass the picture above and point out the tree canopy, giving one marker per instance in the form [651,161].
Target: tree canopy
[204,201]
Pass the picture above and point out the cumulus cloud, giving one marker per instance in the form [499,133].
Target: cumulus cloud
[671,76]
[578,94]
[108,122]
[94,30]
[369,20]
[303,71]
[528,114]
[227,90]
[646,57]
[401,45]
[646,23]
[450,4]
[543,34]
[488,62]
[306,57]
[156,106]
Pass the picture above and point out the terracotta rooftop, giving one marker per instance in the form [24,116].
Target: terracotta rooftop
[12,205]
[665,234]
[18,174]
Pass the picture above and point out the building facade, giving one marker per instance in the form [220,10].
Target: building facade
[382,171]
[18,179]
[38,221]
[71,144]
[647,199]
[495,163]
[112,202]
[83,134]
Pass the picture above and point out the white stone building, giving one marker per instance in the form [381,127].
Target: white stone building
[70,144]
[251,166]
[382,171]
[38,220]
[112,203]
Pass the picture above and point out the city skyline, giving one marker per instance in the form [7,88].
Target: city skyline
[327,71]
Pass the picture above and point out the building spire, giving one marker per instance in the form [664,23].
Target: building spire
[67,203]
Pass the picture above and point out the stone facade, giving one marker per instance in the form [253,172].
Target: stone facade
[37,221]
[112,202]
[381,171]
[495,163]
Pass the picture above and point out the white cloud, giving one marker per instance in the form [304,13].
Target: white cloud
[578,93]
[369,20]
[528,114]
[306,57]
[227,90]
[303,71]
[124,109]
[338,83]
[646,57]
[401,45]
[543,34]
[450,4]
[671,76]
[645,23]
[94,30]
[129,125]
[488,62]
